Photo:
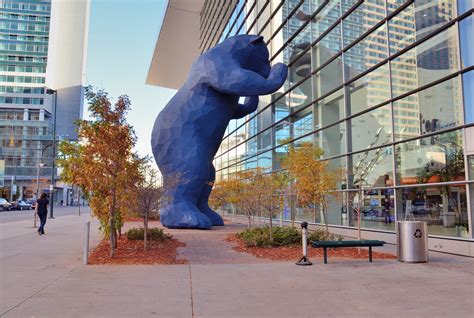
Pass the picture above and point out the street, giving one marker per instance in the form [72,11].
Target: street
[15,215]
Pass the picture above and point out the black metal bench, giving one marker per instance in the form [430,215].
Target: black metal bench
[336,244]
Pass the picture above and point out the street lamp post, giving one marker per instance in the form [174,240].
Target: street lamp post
[51,206]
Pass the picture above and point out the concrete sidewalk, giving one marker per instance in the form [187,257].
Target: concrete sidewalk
[44,278]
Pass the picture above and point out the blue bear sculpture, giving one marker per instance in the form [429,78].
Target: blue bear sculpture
[188,131]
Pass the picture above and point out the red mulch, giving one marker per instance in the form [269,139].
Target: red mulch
[132,253]
[290,253]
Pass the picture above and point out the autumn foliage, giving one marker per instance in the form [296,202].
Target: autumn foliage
[102,163]
[313,180]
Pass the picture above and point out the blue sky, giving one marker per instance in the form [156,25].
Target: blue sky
[122,37]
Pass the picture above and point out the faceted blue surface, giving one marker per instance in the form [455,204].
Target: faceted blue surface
[188,131]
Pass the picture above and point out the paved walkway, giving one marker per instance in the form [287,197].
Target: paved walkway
[209,247]
[43,277]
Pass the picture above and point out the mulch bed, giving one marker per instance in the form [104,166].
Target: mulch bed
[291,253]
[132,253]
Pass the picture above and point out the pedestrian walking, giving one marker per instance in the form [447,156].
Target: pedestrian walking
[386,211]
[42,208]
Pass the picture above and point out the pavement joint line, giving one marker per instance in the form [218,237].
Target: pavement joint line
[191,287]
[38,291]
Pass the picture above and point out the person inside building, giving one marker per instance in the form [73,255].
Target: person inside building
[42,210]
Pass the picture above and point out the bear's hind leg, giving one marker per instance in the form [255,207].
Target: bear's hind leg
[203,204]
[184,215]
[182,212]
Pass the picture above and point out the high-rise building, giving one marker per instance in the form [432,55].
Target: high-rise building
[42,56]
[384,87]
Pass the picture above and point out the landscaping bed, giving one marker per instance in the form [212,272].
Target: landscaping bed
[290,249]
[131,252]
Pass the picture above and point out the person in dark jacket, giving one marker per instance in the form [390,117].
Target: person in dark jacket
[42,210]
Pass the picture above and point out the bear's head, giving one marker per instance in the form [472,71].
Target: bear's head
[250,51]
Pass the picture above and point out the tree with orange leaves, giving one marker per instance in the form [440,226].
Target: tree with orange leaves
[313,180]
[102,162]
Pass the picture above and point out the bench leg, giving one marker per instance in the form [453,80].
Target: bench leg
[370,254]
[325,256]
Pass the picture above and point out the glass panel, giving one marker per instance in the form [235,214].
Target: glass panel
[377,209]
[265,161]
[303,123]
[371,129]
[301,95]
[325,19]
[327,47]
[298,19]
[466,29]
[329,109]
[437,158]
[332,140]
[443,208]
[370,90]
[468,84]
[417,21]
[465,5]
[366,53]
[327,79]
[425,63]
[362,19]
[436,108]
[372,168]
[393,5]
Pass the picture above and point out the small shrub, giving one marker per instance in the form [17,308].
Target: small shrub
[260,236]
[323,235]
[153,234]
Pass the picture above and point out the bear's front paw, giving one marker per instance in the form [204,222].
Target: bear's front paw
[279,72]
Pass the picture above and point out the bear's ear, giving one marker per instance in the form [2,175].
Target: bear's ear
[257,40]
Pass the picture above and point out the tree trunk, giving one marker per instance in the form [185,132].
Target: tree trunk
[112,230]
[249,220]
[145,231]
[111,234]
[271,225]
[325,219]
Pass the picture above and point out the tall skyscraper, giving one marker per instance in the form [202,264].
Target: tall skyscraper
[42,55]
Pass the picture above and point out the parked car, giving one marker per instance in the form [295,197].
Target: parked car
[32,203]
[5,205]
[21,205]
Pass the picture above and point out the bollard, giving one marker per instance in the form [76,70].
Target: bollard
[85,251]
[304,261]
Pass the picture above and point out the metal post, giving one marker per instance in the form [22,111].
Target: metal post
[85,250]
[304,261]
[55,92]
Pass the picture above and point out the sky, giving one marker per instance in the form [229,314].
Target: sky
[122,37]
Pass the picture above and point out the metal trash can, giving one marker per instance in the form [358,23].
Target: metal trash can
[412,241]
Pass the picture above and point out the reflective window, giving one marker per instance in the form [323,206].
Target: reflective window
[436,108]
[468,84]
[425,63]
[371,129]
[370,90]
[372,168]
[332,140]
[366,53]
[327,79]
[443,208]
[466,30]
[438,158]
[465,5]
[417,21]
[327,47]
[368,14]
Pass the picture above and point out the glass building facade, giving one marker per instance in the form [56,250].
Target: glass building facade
[25,125]
[384,87]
